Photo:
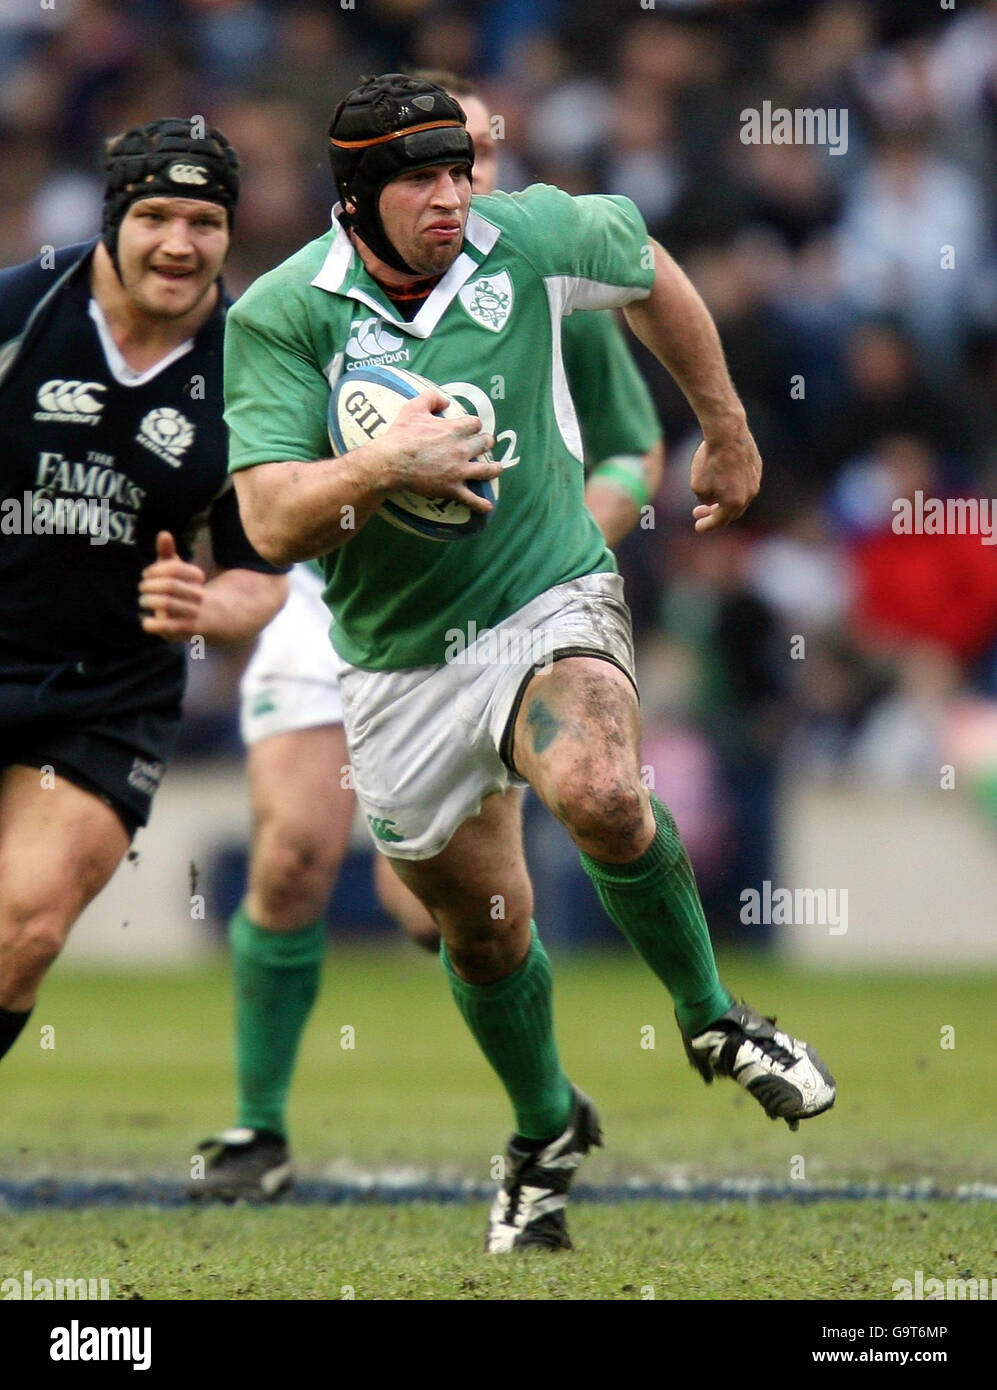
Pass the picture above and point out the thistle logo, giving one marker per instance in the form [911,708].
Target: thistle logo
[70,402]
[372,341]
[167,433]
[488,300]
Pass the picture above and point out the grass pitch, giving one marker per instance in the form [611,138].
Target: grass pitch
[639,1250]
[140,1072]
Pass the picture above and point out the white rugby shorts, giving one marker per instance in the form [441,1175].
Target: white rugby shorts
[292,680]
[427,743]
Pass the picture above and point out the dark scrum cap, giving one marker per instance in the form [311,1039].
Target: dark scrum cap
[388,126]
[164,159]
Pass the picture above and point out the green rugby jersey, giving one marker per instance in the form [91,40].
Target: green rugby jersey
[615,409]
[489,334]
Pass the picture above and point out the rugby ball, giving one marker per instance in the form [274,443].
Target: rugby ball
[363,404]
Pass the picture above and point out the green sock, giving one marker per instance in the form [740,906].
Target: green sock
[276,981]
[513,1024]
[655,903]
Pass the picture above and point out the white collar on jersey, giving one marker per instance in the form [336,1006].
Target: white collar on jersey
[118,367]
[339,258]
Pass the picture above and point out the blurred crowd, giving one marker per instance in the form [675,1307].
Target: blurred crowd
[855,291]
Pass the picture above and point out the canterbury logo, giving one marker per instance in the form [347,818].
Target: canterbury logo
[385,829]
[188,173]
[372,338]
[70,397]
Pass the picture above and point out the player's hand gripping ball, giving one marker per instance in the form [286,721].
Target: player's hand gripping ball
[363,404]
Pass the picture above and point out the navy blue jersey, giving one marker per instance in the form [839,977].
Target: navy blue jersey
[103,462]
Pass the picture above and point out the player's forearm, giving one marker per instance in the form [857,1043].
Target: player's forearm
[617,489]
[675,324]
[296,511]
[615,513]
[237,604]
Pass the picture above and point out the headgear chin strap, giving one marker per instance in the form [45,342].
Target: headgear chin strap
[388,126]
[164,160]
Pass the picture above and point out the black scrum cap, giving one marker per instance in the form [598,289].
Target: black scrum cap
[388,126]
[165,160]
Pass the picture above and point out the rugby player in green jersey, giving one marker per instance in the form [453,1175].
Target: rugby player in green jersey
[436,745]
[292,724]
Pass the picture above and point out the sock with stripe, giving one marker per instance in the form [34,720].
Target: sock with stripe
[513,1023]
[655,903]
[276,981]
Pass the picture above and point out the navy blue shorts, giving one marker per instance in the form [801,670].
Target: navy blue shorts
[108,726]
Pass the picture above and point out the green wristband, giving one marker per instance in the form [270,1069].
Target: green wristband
[626,471]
